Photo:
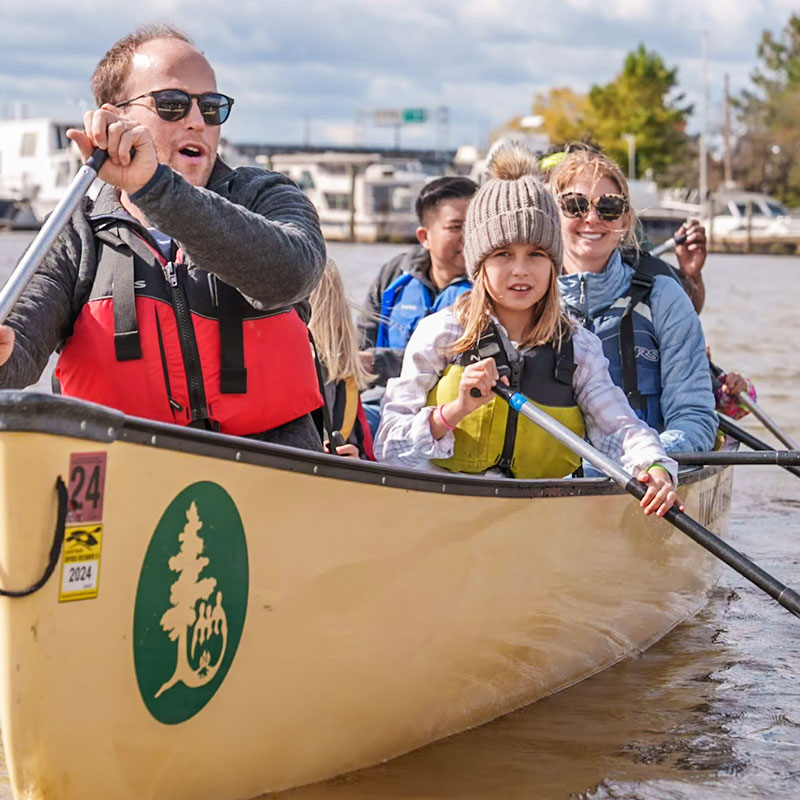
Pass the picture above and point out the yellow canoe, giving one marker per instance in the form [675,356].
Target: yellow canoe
[226,618]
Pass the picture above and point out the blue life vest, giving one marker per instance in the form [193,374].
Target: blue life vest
[630,342]
[645,398]
[406,301]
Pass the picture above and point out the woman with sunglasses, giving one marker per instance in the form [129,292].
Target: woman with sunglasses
[650,332]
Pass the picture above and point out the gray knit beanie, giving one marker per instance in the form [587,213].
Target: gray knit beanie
[512,207]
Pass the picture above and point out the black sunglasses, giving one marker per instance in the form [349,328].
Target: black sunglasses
[608,206]
[174,104]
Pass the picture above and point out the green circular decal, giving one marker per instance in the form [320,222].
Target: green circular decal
[190,603]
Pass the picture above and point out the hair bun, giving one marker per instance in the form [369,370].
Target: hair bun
[510,161]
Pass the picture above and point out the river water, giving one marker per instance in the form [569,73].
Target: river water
[711,711]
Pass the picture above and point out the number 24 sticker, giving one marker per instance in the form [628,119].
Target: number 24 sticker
[87,479]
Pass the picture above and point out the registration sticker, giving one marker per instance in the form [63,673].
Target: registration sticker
[87,482]
[80,566]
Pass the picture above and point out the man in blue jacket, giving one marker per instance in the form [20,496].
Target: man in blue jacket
[416,283]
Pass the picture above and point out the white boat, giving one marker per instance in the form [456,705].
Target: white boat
[37,161]
[742,217]
[359,196]
[743,221]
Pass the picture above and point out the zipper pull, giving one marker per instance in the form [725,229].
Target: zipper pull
[172,276]
[582,280]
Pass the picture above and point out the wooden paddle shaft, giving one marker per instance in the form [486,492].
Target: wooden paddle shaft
[49,232]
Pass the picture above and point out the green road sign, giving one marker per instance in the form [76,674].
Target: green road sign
[414,115]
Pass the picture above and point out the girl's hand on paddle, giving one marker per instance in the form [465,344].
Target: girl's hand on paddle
[106,129]
[660,495]
[6,343]
[481,377]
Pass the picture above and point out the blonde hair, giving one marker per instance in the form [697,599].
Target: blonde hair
[549,322]
[331,326]
[580,159]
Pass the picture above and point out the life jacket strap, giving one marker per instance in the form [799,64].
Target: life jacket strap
[325,410]
[638,292]
[232,373]
[565,362]
[127,344]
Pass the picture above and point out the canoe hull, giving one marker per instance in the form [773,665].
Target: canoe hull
[375,617]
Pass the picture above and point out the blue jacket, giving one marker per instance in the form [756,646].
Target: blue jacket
[687,417]
[406,301]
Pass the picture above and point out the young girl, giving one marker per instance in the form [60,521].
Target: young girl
[334,337]
[513,318]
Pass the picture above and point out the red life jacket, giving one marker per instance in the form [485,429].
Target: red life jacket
[159,341]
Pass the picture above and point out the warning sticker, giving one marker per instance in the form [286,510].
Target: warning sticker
[87,482]
[80,566]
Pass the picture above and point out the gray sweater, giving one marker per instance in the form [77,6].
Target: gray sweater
[255,230]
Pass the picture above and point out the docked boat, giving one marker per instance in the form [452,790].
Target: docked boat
[743,222]
[37,162]
[360,197]
[212,617]
[16,214]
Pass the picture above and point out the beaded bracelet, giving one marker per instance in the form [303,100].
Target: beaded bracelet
[444,421]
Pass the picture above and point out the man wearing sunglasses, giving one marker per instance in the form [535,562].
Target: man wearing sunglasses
[173,295]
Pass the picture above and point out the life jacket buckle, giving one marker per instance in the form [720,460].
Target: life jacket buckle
[635,400]
[642,280]
[565,369]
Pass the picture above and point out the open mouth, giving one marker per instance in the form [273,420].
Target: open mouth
[522,287]
[190,151]
[592,237]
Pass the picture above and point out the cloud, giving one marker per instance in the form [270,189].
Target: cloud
[330,59]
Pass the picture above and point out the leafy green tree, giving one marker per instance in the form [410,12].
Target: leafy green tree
[767,155]
[562,111]
[640,101]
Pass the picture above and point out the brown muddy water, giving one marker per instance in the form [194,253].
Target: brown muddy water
[711,711]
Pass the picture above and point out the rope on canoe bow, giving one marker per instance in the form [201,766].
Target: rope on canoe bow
[55,548]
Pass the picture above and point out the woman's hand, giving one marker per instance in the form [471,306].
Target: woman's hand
[660,495]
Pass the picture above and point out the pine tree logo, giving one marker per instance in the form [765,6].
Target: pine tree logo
[185,636]
[191,618]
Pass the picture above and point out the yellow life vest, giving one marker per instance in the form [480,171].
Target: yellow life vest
[494,435]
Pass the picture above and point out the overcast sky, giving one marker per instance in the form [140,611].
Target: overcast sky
[298,66]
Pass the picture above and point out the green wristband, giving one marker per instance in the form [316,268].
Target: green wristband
[659,466]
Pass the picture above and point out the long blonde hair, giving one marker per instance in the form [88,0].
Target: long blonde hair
[579,160]
[549,322]
[331,326]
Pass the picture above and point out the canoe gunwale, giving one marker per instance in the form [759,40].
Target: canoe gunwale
[62,416]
